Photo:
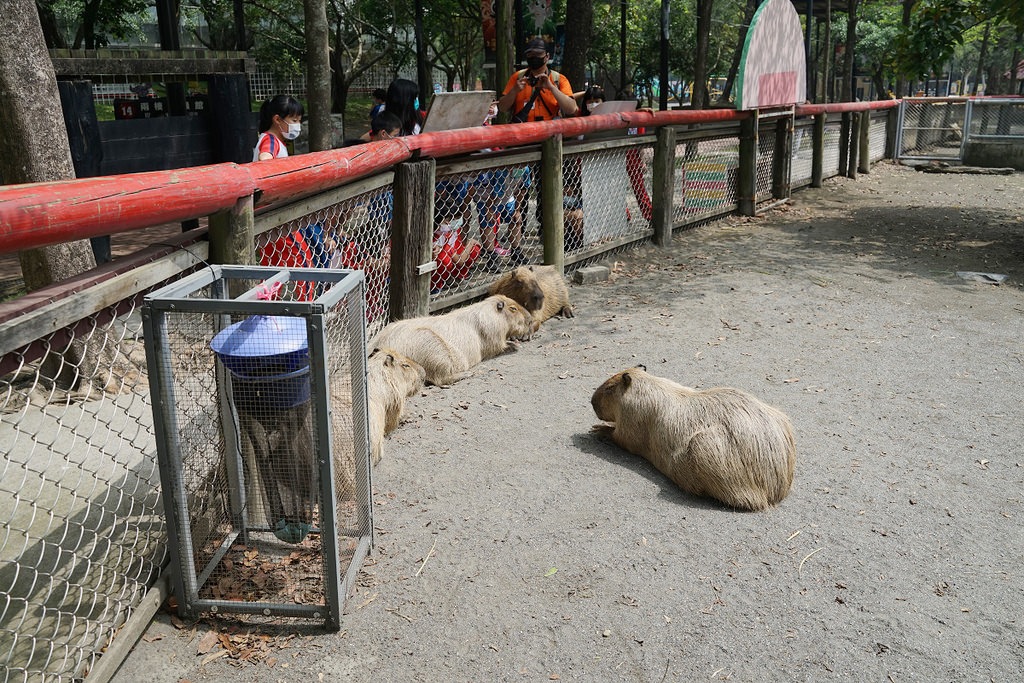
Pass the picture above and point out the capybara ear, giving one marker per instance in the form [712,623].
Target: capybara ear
[501,304]
[374,352]
[642,367]
[390,360]
[626,380]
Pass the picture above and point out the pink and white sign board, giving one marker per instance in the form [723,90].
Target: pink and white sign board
[773,72]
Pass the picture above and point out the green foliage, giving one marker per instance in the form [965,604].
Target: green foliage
[93,23]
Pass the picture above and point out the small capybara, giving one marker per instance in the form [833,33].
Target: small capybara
[448,345]
[721,442]
[540,289]
[390,379]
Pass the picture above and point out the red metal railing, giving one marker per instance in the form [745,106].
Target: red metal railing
[39,214]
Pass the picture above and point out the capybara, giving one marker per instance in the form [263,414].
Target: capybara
[448,345]
[540,289]
[720,442]
[390,379]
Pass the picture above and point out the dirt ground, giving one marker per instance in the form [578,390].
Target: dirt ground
[513,545]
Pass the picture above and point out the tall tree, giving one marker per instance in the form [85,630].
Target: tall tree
[699,98]
[318,75]
[849,54]
[36,147]
[579,30]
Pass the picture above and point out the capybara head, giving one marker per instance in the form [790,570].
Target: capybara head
[520,321]
[607,399]
[521,284]
[407,374]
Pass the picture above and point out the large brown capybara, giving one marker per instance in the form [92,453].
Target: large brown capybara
[540,289]
[448,345]
[390,379]
[721,442]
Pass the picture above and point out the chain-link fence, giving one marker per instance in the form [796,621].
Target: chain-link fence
[352,232]
[705,178]
[83,529]
[606,199]
[996,118]
[932,128]
[802,161]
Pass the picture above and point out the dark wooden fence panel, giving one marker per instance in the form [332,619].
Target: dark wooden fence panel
[156,144]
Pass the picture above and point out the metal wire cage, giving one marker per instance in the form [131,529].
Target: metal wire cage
[260,414]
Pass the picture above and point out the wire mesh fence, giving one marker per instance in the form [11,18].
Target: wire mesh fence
[997,117]
[802,161]
[83,533]
[876,137]
[607,197]
[353,233]
[705,178]
[830,158]
[932,128]
[485,222]
[260,415]
[765,162]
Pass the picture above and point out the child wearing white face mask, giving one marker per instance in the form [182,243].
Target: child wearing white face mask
[280,120]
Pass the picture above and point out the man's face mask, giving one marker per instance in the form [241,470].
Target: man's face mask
[535,62]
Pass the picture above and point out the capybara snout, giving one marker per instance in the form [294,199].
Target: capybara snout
[720,442]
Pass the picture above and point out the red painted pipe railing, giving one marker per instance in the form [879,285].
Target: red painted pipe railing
[840,107]
[37,214]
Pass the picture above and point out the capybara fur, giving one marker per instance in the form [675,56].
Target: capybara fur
[539,289]
[448,345]
[720,442]
[390,379]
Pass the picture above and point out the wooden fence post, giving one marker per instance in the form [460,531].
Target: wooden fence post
[783,157]
[232,235]
[844,143]
[851,161]
[865,142]
[892,121]
[552,212]
[746,179]
[412,231]
[663,189]
[818,154]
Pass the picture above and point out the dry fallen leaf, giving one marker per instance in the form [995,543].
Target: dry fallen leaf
[210,640]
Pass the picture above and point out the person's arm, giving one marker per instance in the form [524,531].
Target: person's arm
[514,87]
[566,102]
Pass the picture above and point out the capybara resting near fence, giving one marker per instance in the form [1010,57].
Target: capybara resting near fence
[721,442]
[539,289]
[390,379]
[448,345]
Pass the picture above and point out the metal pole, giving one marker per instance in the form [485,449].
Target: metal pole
[622,48]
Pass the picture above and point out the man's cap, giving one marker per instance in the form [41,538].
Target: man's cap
[536,45]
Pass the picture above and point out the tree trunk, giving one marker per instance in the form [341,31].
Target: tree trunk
[748,15]
[51,31]
[699,94]
[848,56]
[1012,90]
[829,53]
[37,148]
[318,75]
[579,31]
[981,59]
[901,82]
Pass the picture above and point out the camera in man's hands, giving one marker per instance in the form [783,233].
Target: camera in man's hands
[532,80]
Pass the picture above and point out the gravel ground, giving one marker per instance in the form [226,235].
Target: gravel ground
[513,545]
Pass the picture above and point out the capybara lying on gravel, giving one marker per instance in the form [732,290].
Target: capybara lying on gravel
[721,442]
[540,289]
[448,345]
[390,379]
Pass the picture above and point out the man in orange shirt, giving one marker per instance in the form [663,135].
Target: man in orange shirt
[537,93]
